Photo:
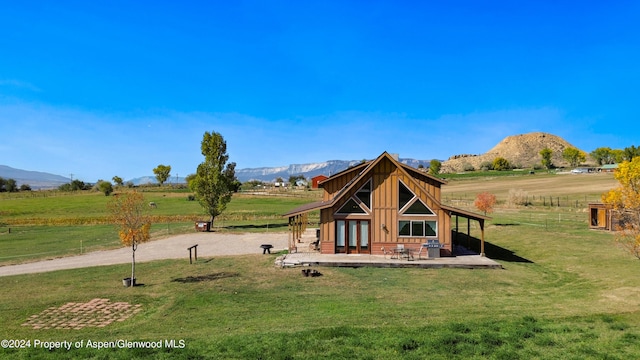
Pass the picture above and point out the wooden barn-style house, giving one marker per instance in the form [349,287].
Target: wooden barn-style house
[380,205]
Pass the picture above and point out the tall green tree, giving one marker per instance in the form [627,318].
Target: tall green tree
[546,158]
[631,152]
[118,180]
[602,155]
[434,167]
[215,179]
[162,173]
[618,156]
[574,156]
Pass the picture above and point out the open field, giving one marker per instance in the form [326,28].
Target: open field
[575,186]
[565,293]
[46,225]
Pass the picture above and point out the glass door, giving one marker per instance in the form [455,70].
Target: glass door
[352,236]
[364,236]
[341,236]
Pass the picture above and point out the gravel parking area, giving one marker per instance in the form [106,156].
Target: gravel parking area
[175,247]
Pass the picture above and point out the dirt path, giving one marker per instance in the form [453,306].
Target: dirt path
[175,247]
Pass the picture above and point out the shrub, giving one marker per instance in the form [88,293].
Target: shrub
[500,164]
[486,165]
[518,197]
[468,167]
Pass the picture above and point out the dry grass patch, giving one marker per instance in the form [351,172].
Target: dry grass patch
[95,313]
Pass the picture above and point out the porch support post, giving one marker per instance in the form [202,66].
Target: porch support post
[481,237]
[457,229]
[468,233]
[291,236]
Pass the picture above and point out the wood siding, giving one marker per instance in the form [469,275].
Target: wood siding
[384,216]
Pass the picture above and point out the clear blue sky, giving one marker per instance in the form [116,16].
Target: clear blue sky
[104,88]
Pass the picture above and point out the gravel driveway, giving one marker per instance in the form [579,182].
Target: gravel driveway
[209,244]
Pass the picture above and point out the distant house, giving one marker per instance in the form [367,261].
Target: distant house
[380,204]
[608,167]
[316,180]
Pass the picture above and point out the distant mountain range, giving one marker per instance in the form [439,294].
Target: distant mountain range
[41,180]
[520,150]
[35,179]
[327,168]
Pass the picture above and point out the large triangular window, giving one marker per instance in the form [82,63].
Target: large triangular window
[364,194]
[351,207]
[410,204]
[405,196]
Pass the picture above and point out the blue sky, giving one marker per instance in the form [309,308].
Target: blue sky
[104,88]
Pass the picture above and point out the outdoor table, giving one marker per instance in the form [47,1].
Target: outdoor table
[402,254]
[266,248]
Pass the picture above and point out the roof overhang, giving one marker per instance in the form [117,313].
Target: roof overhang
[308,207]
[464,213]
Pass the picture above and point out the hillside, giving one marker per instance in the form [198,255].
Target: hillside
[35,179]
[522,151]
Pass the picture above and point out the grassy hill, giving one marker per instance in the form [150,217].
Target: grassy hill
[522,151]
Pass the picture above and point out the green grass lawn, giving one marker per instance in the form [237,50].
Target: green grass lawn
[565,292]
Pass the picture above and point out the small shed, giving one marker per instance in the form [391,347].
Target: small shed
[600,216]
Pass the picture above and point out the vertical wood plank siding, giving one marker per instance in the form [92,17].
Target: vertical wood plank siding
[384,215]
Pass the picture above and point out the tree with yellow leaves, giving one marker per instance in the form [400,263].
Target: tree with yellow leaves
[129,213]
[625,200]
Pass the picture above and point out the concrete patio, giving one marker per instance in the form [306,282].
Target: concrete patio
[360,260]
[305,256]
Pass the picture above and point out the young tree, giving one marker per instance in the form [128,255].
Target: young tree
[434,167]
[129,213]
[215,178]
[485,202]
[546,158]
[162,173]
[574,156]
[625,200]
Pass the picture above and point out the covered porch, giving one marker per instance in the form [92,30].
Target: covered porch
[305,256]
[460,237]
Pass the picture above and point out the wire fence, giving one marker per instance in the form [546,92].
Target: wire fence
[575,202]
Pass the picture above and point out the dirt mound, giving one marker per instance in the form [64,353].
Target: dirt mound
[522,151]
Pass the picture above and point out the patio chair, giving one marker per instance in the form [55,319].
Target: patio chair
[394,253]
